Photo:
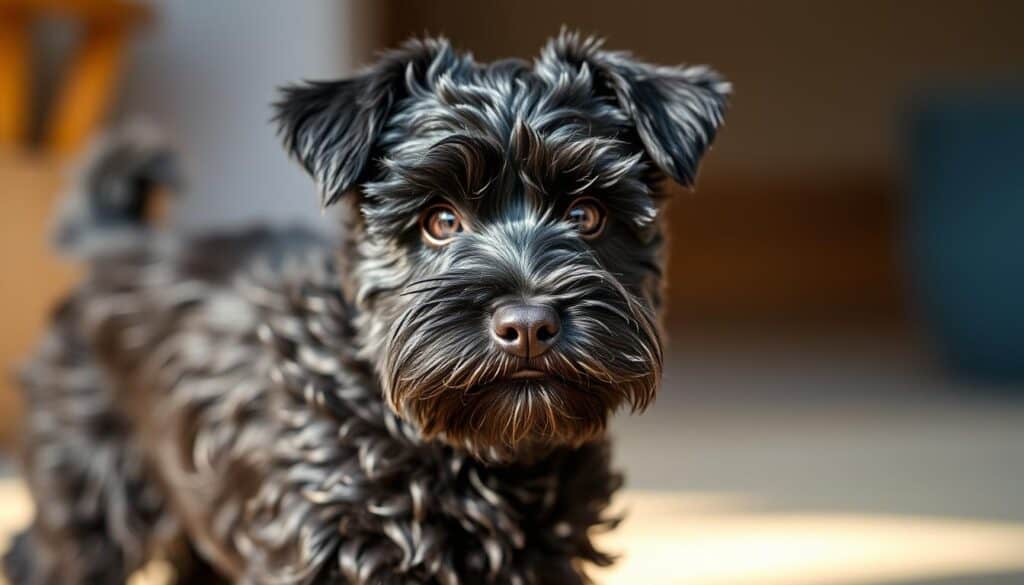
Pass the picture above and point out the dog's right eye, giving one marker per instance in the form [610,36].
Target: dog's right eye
[440,224]
[587,216]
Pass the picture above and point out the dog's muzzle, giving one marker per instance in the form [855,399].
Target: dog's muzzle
[523,340]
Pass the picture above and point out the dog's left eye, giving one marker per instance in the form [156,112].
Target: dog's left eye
[440,223]
[587,216]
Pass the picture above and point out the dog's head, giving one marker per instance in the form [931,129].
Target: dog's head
[507,236]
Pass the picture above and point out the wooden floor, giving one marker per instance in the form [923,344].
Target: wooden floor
[715,539]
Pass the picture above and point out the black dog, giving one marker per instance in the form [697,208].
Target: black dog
[427,405]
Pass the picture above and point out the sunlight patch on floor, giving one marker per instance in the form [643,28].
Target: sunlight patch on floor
[671,538]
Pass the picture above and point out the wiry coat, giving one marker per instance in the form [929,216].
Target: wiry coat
[259,407]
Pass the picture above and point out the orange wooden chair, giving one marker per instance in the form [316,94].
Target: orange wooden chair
[87,90]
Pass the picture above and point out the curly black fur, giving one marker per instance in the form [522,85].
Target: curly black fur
[252,406]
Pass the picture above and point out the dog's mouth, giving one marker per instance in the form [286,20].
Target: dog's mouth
[528,374]
[527,407]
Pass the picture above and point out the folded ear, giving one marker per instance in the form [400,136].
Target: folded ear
[331,127]
[676,110]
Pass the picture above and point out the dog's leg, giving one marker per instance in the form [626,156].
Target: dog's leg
[93,518]
[97,511]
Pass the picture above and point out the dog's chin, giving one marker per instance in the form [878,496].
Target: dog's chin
[519,417]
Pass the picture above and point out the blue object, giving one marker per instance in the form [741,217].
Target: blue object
[965,228]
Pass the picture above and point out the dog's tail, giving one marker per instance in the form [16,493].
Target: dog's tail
[120,190]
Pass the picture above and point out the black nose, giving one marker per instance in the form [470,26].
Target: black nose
[525,331]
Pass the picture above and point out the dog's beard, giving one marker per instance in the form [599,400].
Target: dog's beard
[442,372]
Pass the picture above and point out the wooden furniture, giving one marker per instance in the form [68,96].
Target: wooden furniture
[820,247]
[32,279]
[86,92]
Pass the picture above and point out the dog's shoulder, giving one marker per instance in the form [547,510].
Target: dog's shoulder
[168,293]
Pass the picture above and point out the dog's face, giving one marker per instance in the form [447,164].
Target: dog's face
[508,255]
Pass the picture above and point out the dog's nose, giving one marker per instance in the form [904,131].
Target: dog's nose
[525,331]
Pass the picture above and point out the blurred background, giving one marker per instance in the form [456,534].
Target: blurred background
[844,395]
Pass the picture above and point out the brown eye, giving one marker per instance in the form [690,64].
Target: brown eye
[440,223]
[587,216]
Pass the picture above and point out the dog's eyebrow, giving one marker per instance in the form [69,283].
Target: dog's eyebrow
[563,162]
[459,165]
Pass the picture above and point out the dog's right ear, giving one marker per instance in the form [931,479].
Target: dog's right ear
[331,127]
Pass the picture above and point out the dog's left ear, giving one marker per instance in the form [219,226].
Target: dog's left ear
[676,110]
[331,127]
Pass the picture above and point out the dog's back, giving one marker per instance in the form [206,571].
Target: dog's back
[151,300]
